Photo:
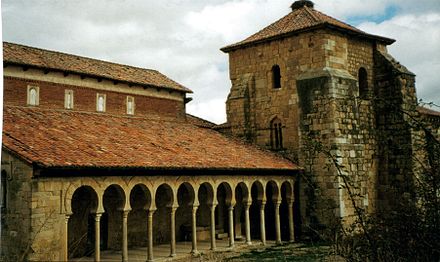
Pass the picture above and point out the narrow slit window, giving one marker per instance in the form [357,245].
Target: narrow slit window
[68,99]
[363,83]
[33,95]
[130,105]
[3,193]
[276,76]
[100,102]
[276,134]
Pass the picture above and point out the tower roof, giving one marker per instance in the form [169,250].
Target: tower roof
[303,17]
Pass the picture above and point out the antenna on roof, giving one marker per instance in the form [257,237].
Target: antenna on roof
[301,3]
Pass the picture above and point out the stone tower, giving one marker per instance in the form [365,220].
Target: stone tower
[309,83]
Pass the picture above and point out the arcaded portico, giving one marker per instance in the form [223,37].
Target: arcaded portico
[106,213]
[99,156]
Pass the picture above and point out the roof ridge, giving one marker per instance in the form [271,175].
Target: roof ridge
[79,56]
[339,21]
[311,14]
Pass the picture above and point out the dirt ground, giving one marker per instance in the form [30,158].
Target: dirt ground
[285,252]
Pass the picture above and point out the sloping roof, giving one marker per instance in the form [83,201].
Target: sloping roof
[200,122]
[52,60]
[304,18]
[427,111]
[61,138]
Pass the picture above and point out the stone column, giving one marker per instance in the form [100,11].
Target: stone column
[173,231]
[231,226]
[262,223]
[150,235]
[66,237]
[247,223]
[291,224]
[277,223]
[124,235]
[212,207]
[97,236]
[194,230]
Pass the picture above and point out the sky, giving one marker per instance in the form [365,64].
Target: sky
[182,38]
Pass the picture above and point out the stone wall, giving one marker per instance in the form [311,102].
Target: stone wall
[16,214]
[319,99]
[48,215]
[397,134]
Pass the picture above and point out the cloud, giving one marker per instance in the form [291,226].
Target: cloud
[182,38]
[417,47]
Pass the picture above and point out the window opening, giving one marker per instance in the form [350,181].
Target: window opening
[100,106]
[33,95]
[130,105]
[276,131]
[3,189]
[68,99]
[363,83]
[276,76]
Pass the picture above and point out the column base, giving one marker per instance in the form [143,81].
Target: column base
[195,252]
[249,243]
[172,255]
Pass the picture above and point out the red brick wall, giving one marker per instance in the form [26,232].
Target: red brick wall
[52,96]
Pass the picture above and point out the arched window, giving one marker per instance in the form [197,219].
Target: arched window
[276,134]
[68,99]
[276,76]
[130,105]
[32,95]
[100,103]
[363,83]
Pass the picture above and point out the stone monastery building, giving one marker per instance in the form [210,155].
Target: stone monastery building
[101,157]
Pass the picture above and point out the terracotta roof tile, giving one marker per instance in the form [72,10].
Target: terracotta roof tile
[45,59]
[200,122]
[59,138]
[300,19]
[427,111]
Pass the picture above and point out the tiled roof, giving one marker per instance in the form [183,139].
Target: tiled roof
[51,60]
[61,138]
[200,122]
[300,19]
[427,111]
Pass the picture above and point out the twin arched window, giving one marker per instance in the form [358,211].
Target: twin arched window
[363,83]
[276,76]
[276,134]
